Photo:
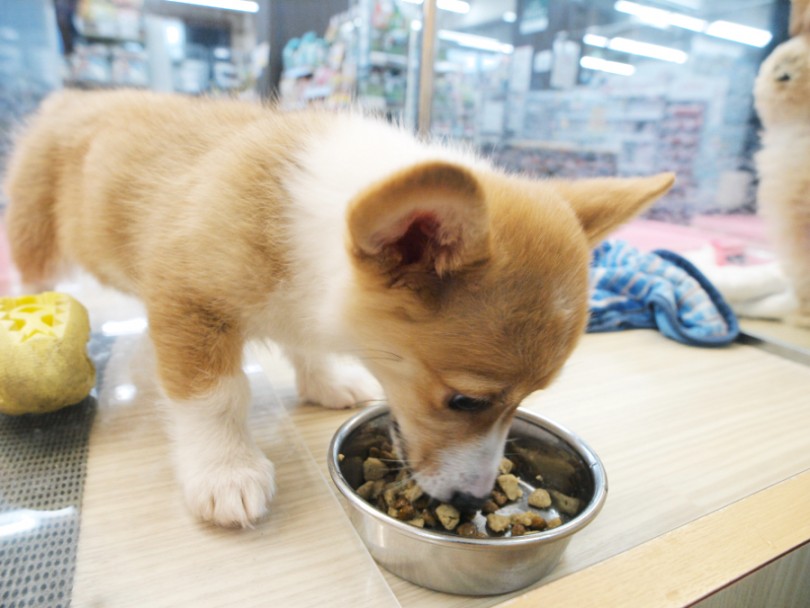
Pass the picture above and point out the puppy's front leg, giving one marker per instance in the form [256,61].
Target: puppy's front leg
[225,478]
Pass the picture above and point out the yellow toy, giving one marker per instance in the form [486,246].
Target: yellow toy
[43,359]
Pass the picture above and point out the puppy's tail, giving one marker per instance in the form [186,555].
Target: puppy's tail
[30,188]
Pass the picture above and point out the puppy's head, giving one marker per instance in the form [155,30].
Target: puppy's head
[782,87]
[472,291]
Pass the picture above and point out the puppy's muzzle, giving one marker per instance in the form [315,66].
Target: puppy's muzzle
[466,502]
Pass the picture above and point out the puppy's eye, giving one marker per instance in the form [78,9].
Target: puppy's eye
[463,403]
[784,77]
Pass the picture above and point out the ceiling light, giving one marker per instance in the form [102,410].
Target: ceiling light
[452,6]
[739,33]
[603,65]
[655,16]
[659,17]
[595,40]
[476,42]
[686,22]
[243,6]
[509,16]
[645,49]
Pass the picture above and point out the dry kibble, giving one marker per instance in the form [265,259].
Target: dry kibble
[380,480]
[506,466]
[467,530]
[371,490]
[448,516]
[498,523]
[499,498]
[390,493]
[412,491]
[524,519]
[490,506]
[567,504]
[403,509]
[538,523]
[374,469]
[429,518]
[540,498]
[510,486]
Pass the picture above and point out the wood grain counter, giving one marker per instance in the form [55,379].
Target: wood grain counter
[707,454]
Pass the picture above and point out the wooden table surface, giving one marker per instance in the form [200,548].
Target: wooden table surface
[707,453]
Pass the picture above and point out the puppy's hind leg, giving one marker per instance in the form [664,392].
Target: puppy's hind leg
[225,477]
[333,383]
[31,220]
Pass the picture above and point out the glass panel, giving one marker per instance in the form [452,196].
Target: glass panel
[575,88]
[615,87]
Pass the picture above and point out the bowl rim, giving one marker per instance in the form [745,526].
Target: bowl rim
[547,536]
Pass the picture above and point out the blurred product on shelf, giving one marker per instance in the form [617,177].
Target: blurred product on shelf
[320,70]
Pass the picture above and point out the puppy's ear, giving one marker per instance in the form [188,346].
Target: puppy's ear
[603,204]
[429,217]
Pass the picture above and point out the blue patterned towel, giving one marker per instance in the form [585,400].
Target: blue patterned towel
[658,290]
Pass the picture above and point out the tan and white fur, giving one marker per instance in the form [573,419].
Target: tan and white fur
[462,289]
[799,17]
[782,99]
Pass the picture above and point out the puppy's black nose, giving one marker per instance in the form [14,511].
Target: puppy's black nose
[467,502]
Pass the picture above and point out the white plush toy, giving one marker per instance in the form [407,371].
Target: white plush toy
[757,291]
[782,99]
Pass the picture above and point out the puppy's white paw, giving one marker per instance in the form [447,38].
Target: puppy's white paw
[338,387]
[231,494]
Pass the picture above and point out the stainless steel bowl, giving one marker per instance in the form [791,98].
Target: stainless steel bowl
[477,566]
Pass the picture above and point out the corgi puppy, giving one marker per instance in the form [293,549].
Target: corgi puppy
[781,94]
[799,17]
[462,288]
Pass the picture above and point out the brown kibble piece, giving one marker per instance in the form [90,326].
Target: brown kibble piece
[448,516]
[390,493]
[567,504]
[509,485]
[374,469]
[406,512]
[499,498]
[554,523]
[498,523]
[518,530]
[538,522]
[371,490]
[490,506]
[430,519]
[524,519]
[467,530]
[412,491]
[417,522]
[540,498]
